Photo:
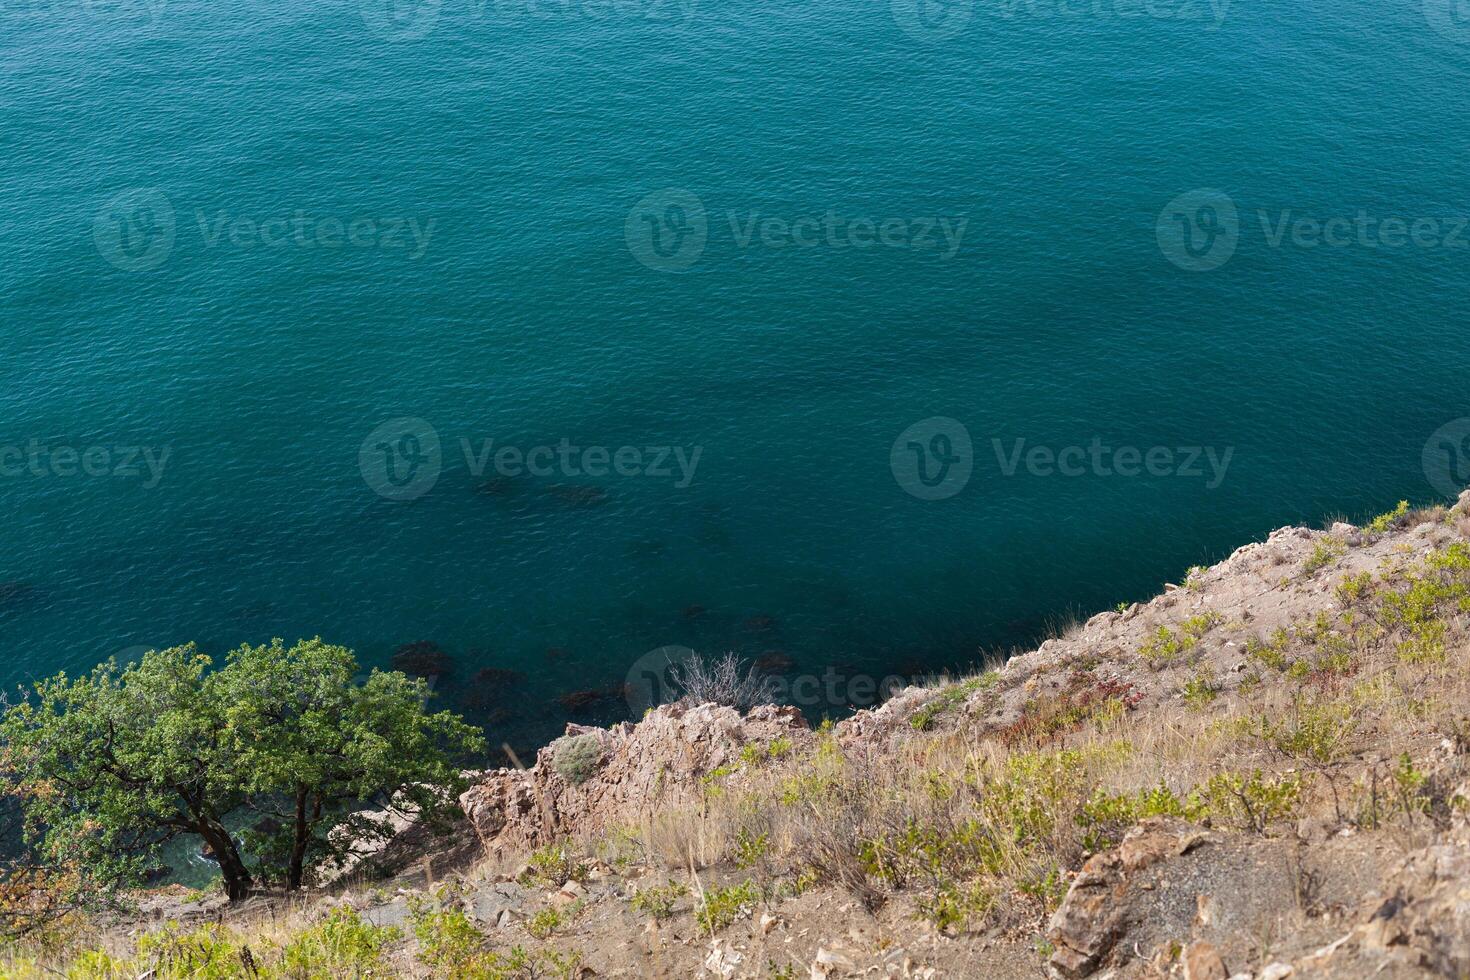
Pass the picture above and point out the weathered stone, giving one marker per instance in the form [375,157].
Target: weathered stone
[1089,921]
[1157,839]
[1202,962]
[1427,911]
[654,763]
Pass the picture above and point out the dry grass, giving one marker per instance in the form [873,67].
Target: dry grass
[983,825]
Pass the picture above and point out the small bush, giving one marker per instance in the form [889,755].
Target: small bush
[548,920]
[1384,522]
[341,945]
[1255,801]
[553,866]
[209,951]
[658,901]
[951,907]
[1165,646]
[577,758]
[750,848]
[726,680]
[1326,551]
[722,906]
[950,697]
[1200,690]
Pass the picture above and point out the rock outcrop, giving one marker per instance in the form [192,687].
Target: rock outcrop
[658,761]
[1096,911]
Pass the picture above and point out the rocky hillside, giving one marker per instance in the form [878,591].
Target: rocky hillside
[1263,772]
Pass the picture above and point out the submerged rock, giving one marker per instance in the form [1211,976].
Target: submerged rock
[422,659]
[578,495]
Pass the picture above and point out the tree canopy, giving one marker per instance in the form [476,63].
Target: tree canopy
[110,766]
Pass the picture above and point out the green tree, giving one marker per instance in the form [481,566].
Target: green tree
[311,744]
[110,766]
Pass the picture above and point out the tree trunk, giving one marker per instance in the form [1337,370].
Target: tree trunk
[301,834]
[231,866]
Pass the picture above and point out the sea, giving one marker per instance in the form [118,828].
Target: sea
[533,344]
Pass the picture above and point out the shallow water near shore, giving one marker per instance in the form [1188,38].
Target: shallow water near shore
[375,221]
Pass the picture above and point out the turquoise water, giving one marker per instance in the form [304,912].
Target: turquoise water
[535,305]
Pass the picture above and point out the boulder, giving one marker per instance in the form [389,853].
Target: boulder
[643,765]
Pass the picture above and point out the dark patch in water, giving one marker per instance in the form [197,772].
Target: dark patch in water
[774,662]
[761,623]
[422,658]
[578,495]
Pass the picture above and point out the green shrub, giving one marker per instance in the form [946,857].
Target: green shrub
[1165,646]
[341,945]
[448,941]
[750,848]
[553,866]
[950,697]
[1200,690]
[1254,802]
[1106,816]
[1383,522]
[658,901]
[951,906]
[544,923]
[207,953]
[577,758]
[1314,731]
[1324,553]
[722,906]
